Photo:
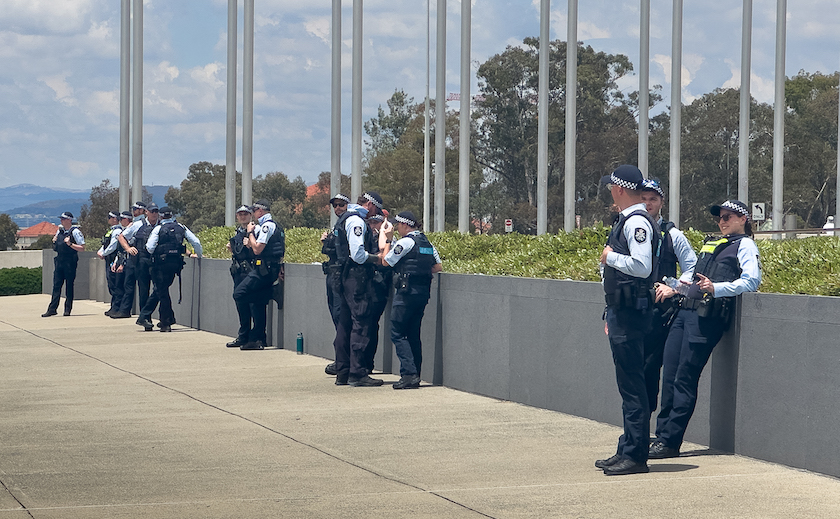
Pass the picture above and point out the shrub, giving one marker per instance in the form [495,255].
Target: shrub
[20,280]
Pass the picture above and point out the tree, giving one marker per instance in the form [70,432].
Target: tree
[43,242]
[285,196]
[8,232]
[93,219]
[200,201]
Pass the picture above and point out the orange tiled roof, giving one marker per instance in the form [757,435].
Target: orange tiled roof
[314,190]
[39,229]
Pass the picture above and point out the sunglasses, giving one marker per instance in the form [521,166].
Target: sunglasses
[339,204]
[726,217]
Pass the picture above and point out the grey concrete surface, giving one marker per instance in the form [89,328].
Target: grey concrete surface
[176,425]
[20,258]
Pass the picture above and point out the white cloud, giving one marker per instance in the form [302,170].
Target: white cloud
[319,27]
[80,169]
[63,91]
[763,90]
[47,16]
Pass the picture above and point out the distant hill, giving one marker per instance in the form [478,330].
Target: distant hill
[45,204]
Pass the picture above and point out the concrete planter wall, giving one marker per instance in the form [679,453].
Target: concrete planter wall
[770,390]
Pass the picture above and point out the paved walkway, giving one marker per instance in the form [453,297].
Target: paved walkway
[99,419]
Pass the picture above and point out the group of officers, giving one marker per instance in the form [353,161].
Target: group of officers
[670,325]
[143,250]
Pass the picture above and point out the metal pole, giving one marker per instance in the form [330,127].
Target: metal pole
[125,103]
[571,117]
[230,129]
[779,109]
[335,145]
[644,85]
[137,105]
[440,117]
[248,102]
[427,171]
[676,113]
[464,137]
[542,119]
[356,150]
[744,124]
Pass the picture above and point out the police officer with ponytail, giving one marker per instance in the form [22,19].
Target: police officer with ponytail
[629,269]
[68,242]
[726,267]
[166,249]
[415,261]
[241,263]
[268,243]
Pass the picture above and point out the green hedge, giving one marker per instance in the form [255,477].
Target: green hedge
[796,266]
[18,281]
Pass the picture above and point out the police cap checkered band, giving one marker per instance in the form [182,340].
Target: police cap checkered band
[262,204]
[139,205]
[736,206]
[626,176]
[343,198]
[653,185]
[376,218]
[126,214]
[165,211]
[113,214]
[407,217]
[244,209]
[66,215]
[374,198]
[152,207]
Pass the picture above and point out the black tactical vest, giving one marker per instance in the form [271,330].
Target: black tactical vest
[667,255]
[275,248]
[66,252]
[170,246]
[239,251]
[622,290]
[418,262]
[342,246]
[718,261]
[142,236]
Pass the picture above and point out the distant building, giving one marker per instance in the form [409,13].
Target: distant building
[28,236]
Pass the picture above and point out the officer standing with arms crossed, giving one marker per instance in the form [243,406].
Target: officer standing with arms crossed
[68,242]
[332,269]
[108,252]
[353,244]
[675,249]
[629,268]
[165,247]
[415,261]
[241,263]
[268,242]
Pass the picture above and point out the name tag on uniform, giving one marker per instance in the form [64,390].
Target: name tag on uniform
[426,250]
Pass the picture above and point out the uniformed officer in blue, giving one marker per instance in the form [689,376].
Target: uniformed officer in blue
[138,267]
[354,243]
[415,261]
[241,263]
[727,267]
[381,282]
[165,247]
[68,242]
[268,243]
[332,269]
[108,252]
[629,268]
[675,250]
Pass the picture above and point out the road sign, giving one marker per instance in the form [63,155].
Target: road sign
[758,214]
[508,225]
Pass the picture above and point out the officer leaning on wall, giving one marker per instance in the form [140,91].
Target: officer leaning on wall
[268,242]
[68,242]
[727,267]
[241,263]
[675,250]
[629,268]
[108,252]
[415,261]
[331,268]
[165,247]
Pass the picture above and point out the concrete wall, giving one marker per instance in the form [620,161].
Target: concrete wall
[20,258]
[769,391]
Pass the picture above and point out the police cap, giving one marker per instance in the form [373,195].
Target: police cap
[166,212]
[736,206]
[374,198]
[262,204]
[152,208]
[626,176]
[139,205]
[113,214]
[66,215]
[126,214]
[244,209]
[652,184]
[408,218]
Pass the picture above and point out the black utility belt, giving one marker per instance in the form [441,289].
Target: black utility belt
[691,304]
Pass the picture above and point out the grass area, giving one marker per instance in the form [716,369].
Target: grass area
[796,266]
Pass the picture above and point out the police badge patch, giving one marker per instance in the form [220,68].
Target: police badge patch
[640,235]
[357,230]
[398,249]
[265,228]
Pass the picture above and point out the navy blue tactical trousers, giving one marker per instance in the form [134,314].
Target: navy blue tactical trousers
[406,318]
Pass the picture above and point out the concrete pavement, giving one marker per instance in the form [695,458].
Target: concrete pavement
[176,425]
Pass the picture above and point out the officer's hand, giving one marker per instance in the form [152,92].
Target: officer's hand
[607,250]
[663,292]
[324,236]
[227,246]
[246,242]
[120,269]
[705,284]
[193,255]
[100,255]
[132,251]
[67,240]
[388,229]
[606,329]
[251,227]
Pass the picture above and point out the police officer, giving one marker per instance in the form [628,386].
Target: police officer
[268,243]
[127,242]
[415,261]
[354,243]
[728,266]
[332,269]
[629,269]
[108,252]
[165,247]
[241,263]
[381,282]
[675,249]
[67,243]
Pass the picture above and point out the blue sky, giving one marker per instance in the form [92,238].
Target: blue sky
[59,72]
